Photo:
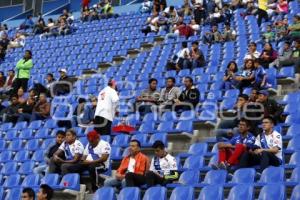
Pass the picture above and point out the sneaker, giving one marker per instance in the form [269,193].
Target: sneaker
[215,166]
[223,166]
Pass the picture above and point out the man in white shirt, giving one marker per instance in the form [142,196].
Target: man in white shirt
[267,148]
[252,52]
[108,101]
[163,167]
[95,158]
[73,150]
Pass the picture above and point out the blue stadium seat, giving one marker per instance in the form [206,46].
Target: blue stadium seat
[32,145]
[184,126]
[2,145]
[11,134]
[158,136]
[5,156]
[70,181]
[272,191]
[42,133]
[296,193]
[105,193]
[244,175]
[9,168]
[241,191]
[294,144]
[51,124]
[116,153]
[106,138]
[147,127]
[22,156]
[214,177]
[132,193]
[194,162]
[35,124]
[169,116]
[271,175]
[6,126]
[27,167]
[195,149]
[188,177]
[26,134]
[1,193]
[187,115]
[20,126]
[13,194]
[121,140]
[211,192]
[294,160]
[155,193]
[295,177]
[31,180]
[165,127]
[142,138]
[183,193]
[47,142]
[50,179]
[12,181]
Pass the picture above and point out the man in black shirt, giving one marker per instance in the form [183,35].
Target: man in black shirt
[60,137]
[25,110]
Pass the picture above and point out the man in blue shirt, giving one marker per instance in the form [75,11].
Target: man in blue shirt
[229,153]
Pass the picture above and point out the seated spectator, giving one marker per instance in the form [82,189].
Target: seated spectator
[10,114]
[186,9]
[247,75]
[184,30]
[50,80]
[66,16]
[25,110]
[189,98]
[151,24]
[89,112]
[2,80]
[95,159]
[254,95]
[171,14]
[181,59]
[64,85]
[229,34]
[132,170]
[85,14]
[79,110]
[146,7]
[284,56]
[268,55]
[269,35]
[41,110]
[227,13]
[199,13]
[45,192]
[212,37]
[159,5]
[267,149]
[280,27]
[4,42]
[229,81]
[196,57]
[163,167]
[260,76]
[216,16]
[39,27]
[149,98]
[34,94]
[252,52]
[59,139]
[195,27]
[64,27]
[28,194]
[293,29]
[28,23]
[21,96]
[294,58]
[93,15]
[8,86]
[18,41]
[168,94]
[107,10]
[72,149]
[230,153]
[50,29]
[282,7]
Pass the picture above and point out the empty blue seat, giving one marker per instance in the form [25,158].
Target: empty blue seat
[1,193]
[38,156]
[42,133]
[188,177]
[116,153]
[50,179]
[6,126]
[295,177]
[32,145]
[187,115]
[245,175]
[11,134]
[22,156]
[26,134]
[183,193]
[31,180]
[214,177]
[184,126]
[296,193]
[294,143]
[13,194]
[165,126]
[272,175]
[195,149]
[2,145]
[142,138]
[35,124]
[105,193]
[147,127]
[194,162]
[9,168]
[294,160]
[286,72]
[5,156]
[12,181]
[20,125]
[132,193]
[70,181]
[27,167]
[211,192]
[272,191]
[121,140]
[158,193]
[158,136]
[242,191]
[51,124]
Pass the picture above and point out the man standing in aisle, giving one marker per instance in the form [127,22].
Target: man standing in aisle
[107,104]
[23,72]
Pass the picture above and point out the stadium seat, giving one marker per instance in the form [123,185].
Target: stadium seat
[22,156]
[142,138]
[166,126]
[194,162]
[27,167]
[31,180]
[70,181]
[211,192]
[195,149]
[42,133]
[183,193]
[295,177]
[169,116]
[241,176]
[121,140]
[5,156]
[272,191]
[26,134]
[12,181]
[35,124]
[20,126]
[1,193]
[296,193]
[184,126]
[50,179]
[51,124]
[13,194]
[155,193]
[32,145]
[294,144]
[214,177]
[241,191]
[116,153]
[188,177]
[271,175]
[132,193]
[105,193]
[2,145]
[9,168]
[11,134]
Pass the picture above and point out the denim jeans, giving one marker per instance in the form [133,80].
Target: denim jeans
[41,170]
[113,182]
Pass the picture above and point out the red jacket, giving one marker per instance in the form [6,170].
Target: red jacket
[185,30]
[142,164]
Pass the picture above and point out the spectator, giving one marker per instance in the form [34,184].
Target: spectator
[195,27]
[282,7]
[293,29]
[107,104]
[284,56]
[212,37]
[260,79]
[8,86]
[152,23]
[45,192]
[216,16]
[85,15]
[229,34]
[18,41]
[4,42]
[64,85]
[64,27]
[95,158]
[23,71]
[10,114]
[294,58]
[229,81]
[254,95]
[186,9]
[85,3]
[227,13]
[196,56]
[25,110]
[268,55]
[247,76]
[159,5]
[171,14]
[89,112]
[252,52]
[50,80]
[28,23]
[267,149]
[21,96]
[230,153]
[107,10]
[50,29]
[199,13]
[132,170]
[41,110]
[2,80]
[33,94]
[181,59]
[280,29]
[169,94]
[262,11]
[59,139]
[269,35]
[163,167]
[39,27]
[189,98]
[184,30]
[149,98]
[146,6]
[28,194]
[79,110]
[72,149]
[93,15]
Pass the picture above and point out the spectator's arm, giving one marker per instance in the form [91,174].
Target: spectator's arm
[77,158]
[102,159]
[24,65]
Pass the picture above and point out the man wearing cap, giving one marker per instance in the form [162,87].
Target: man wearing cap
[108,101]
[64,85]
[95,158]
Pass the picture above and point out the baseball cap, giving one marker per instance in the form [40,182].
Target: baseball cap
[63,70]
[93,135]
[264,92]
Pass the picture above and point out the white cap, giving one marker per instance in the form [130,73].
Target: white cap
[63,70]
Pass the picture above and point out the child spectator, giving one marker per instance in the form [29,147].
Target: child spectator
[260,75]
[269,35]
